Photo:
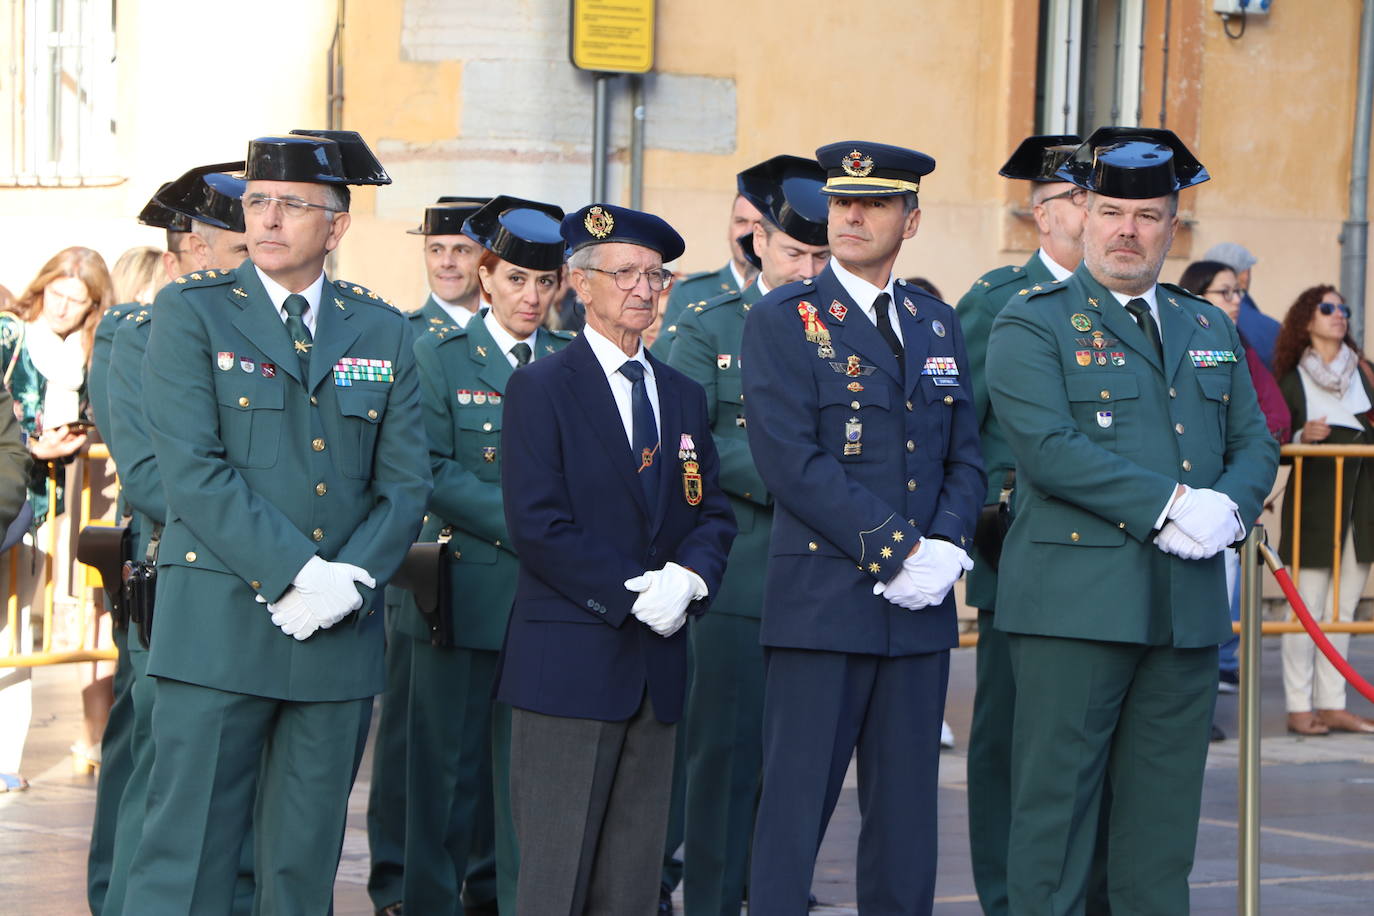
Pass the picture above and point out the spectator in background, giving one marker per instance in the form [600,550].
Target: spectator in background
[138,274]
[1329,388]
[1258,328]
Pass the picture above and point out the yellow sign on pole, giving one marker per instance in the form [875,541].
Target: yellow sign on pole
[613,36]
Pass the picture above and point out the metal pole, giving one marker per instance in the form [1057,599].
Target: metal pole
[637,142]
[600,137]
[1248,886]
[1355,230]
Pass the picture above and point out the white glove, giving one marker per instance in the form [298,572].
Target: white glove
[926,576]
[1172,539]
[323,590]
[292,614]
[664,595]
[1208,517]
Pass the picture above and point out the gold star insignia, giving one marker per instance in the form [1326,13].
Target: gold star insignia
[210,274]
[1023,292]
[886,553]
[358,290]
[301,346]
[1037,287]
[436,321]
[181,279]
[195,276]
[897,536]
[239,292]
[874,567]
[372,295]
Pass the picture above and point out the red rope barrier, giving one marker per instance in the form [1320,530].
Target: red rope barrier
[1313,628]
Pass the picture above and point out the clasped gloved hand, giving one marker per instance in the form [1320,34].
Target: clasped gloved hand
[1208,517]
[664,595]
[321,594]
[926,576]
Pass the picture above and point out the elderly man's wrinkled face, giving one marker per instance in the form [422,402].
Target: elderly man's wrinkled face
[1125,241]
[613,311]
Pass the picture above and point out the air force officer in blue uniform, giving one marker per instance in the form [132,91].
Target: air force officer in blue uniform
[613,501]
[861,422]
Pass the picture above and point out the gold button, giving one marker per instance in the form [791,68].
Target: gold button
[498,543]
[317,445]
[748,495]
[243,402]
[1121,524]
[1105,395]
[1187,465]
[486,427]
[321,489]
[811,546]
[190,556]
[318,534]
[1074,536]
[949,399]
[908,405]
[314,400]
[1226,397]
[256,584]
[854,405]
[910,446]
[1173,392]
[911,486]
[372,414]
[1178,428]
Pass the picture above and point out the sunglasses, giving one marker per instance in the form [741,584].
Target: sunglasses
[1326,308]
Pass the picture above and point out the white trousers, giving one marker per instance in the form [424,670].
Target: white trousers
[1309,680]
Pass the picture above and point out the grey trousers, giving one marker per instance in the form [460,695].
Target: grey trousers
[590,802]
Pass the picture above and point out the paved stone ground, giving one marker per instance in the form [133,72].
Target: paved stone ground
[1317,840]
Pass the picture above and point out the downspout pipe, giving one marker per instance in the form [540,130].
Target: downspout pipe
[1355,230]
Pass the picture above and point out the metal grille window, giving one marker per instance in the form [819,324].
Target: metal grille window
[1091,53]
[57,94]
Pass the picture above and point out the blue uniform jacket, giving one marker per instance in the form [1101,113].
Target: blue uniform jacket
[843,521]
[581,526]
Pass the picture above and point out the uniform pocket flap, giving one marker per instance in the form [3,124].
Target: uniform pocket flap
[363,405]
[480,421]
[1073,527]
[1101,387]
[250,395]
[1216,387]
[839,395]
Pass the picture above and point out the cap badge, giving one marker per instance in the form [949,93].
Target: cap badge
[599,223]
[856,164]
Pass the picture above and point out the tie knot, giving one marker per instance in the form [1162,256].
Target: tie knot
[881,303]
[1138,307]
[522,352]
[295,305]
[633,370]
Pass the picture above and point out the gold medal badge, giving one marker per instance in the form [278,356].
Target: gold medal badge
[599,223]
[691,482]
[815,330]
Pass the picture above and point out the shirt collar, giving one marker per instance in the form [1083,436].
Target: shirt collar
[610,356]
[739,277]
[278,293]
[504,339]
[1148,296]
[1056,270]
[860,290]
[764,288]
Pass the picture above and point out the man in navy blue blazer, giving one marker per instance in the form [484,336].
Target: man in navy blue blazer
[861,422]
[612,500]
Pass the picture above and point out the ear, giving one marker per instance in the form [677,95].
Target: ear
[581,282]
[760,237]
[199,250]
[484,276]
[1042,219]
[336,230]
[913,222]
[170,266]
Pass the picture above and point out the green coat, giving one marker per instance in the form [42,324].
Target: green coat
[1099,450]
[694,290]
[1319,488]
[128,435]
[427,316]
[707,350]
[263,470]
[463,376]
[977,310]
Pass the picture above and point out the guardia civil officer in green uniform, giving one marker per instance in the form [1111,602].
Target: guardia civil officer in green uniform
[116,758]
[288,406]
[724,719]
[463,377]
[208,198]
[700,288]
[451,270]
[1141,452]
[1059,228]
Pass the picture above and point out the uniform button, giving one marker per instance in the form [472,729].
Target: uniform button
[1105,394]
[1074,536]
[318,534]
[498,544]
[243,402]
[854,405]
[1173,392]
[486,427]
[949,399]
[911,486]
[321,489]
[1226,398]
[1187,465]
[908,405]
[314,400]
[372,414]
[256,584]
[1121,524]
[1178,428]
[317,445]
[748,495]
[812,546]
[910,446]
[190,556]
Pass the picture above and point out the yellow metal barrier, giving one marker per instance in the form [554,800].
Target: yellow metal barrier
[87,579]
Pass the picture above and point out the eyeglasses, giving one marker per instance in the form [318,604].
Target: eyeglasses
[1230,292]
[1062,195]
[1326,308]
[627,278]
[85,303]
[293,207]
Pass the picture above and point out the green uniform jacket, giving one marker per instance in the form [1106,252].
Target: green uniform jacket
[977,310]
[707,351]
[128,437]
[97,375]
[1099,450]
[1319,488]
[427,316]
[463,376]
[695,290]
[262,470]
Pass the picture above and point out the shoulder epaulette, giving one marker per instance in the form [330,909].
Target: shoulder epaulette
[562,334]
[1181,293]
[716,302]
[362,294]
[207,277]
[141,316]
[438,333]
[1039,289]
[1001,276]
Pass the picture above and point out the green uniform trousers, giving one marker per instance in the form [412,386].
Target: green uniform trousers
[224,761]
[116,762]
[1091,713]
[989,767]
[724,728]
[386,800]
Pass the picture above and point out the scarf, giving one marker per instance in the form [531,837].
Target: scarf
[62,362]
[1334,376]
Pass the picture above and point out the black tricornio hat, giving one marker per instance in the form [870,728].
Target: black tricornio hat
[160,217]
[1133,163]
[523,232]
[787,191]
[1038,158]
[447,215]
[319,156]
[208,194]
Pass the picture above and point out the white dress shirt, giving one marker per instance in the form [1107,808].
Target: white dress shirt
[863,293]
[504,339]
[456,313]
[1149,297]
[740,283]
[1053,266]
[278,293]
[611,359]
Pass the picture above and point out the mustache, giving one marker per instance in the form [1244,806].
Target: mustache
[1126,246]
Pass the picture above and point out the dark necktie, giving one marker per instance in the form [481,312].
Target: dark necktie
[644,433]
[1140,311]
[522,354]
[880,306]
[296,306]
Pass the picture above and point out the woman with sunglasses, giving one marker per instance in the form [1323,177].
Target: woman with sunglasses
[1329,389]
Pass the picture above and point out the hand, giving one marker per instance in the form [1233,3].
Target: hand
[927,575]
[664,595]
[292,614]
[329,589]
[57,442]
[1172,540]
[1315,430]
[1208,517]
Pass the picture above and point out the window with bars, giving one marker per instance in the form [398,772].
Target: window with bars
[57,93]
[1091,54]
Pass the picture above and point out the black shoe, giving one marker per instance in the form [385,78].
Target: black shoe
[1228,682]
[392,909]
[1218,734]
[811,902]
[665,899]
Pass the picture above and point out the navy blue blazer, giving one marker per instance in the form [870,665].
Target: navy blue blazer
[582,526]
[860,460]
